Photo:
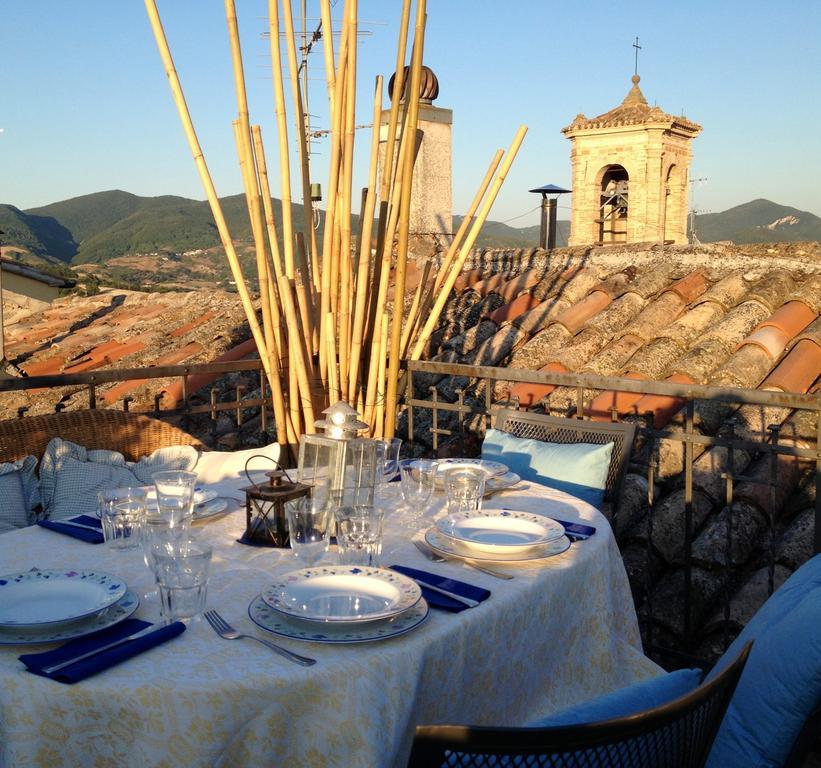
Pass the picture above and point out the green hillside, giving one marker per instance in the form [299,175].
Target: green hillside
[494,234]
[759,221]
[19,230]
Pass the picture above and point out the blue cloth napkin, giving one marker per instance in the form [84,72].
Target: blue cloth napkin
[36,662]
[576,531]
[92,537]
[443,602]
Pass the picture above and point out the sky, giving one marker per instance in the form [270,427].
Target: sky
[85,104]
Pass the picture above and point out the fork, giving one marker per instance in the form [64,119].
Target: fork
[227,632]
[433,557]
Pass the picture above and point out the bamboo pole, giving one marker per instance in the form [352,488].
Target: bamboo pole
[410,321]
[304,299]
[467,221]
[456,268]
[333,381]
[365,248]
[412,106]
[216,210]
[379,426]
[282,128]
[298,362]
[328,49]
[299,116]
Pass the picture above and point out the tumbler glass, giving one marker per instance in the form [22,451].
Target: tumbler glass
[308,528]
[181,570]
[418,483]
[121,512]
[359,534]
[175,494]
[464,489]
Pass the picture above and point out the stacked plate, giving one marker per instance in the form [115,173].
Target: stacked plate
[206,501]
[497,535]
[340,604]
[48,606]
[497,475]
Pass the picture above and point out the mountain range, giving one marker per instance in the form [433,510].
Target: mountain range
[110,227]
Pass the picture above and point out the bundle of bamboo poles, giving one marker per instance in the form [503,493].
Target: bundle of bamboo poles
[332,326]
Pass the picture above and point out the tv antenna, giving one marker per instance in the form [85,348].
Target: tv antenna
[699,181]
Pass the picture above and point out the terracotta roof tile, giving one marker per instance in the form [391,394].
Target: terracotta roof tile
[178,355]
[654,359]
[691,287]
[790,318]
[617,315]
[809,291]
[651,281]
[737,323]
[772,340]
[612,359]
[687,328]
[494,350]
[530,394]
[519,284]
[533,353]
[772,289]
[727,292]
[798,370]
[553,282]
[812,332]
[540,316]
[600,408]
[746,368]
[471,338]
[195,323]
[576,316]
[663,407]
[702,360]
[469,279]
[656,315]
[45,367]
[491,284]
[507,313]
[580,349]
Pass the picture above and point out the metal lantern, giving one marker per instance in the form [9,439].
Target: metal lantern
[265,521]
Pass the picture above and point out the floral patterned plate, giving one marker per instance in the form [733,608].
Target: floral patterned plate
[342,593]
[499,531]
[287,626]
[118,612]
[39,598]
[448,547]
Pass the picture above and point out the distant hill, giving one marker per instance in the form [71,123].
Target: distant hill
[759,221]
[497,235]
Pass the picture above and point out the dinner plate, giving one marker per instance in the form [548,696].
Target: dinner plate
[210,508]
[263,615]
[448,547]
[39,598]
[112,615]
[499,531]
[490,468]
[201,495]
[342,594]
[501,482]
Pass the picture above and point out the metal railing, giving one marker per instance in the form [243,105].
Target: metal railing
[459,399]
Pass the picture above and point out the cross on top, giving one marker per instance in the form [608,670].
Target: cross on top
[638,48]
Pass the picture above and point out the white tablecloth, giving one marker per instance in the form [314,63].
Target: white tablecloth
[554,635]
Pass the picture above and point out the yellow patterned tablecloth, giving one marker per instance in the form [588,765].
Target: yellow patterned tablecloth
[552,636]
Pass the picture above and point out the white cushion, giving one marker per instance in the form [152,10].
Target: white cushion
[19,493]
[224,471]
[71,476]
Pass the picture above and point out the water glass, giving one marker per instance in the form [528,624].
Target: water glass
[308,528]
[121,512]
[181,571]
[418,483]
[387,456]
[359,534]
[175,493]
[464,489]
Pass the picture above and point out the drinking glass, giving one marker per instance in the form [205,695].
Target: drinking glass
[388,458]
[464,489]
[359,534]
[308,528]
[418,483]
[175,493]
[181,571]
[121,512]
[160,528]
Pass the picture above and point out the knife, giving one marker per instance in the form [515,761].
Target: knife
[469,602]
[121,641]
[72,524]
[431,555]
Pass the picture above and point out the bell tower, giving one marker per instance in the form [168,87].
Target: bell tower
[631,169]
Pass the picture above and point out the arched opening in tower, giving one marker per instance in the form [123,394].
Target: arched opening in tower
[613,207]
[672,204]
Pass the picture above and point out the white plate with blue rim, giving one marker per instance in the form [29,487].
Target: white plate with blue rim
[342,594]
[57,633]
[499,531]
[40,598]
[501,482]
[451,548]
[264,616]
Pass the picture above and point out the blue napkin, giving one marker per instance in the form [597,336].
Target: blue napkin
[576,531]
[36,662]
[92,537]
[436,600]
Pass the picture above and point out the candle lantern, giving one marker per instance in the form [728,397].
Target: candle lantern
[265,521]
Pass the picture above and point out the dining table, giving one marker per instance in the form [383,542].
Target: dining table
[562,630]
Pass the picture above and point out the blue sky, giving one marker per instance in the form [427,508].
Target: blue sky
[85,106]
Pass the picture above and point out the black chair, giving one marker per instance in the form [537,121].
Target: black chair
[676,735]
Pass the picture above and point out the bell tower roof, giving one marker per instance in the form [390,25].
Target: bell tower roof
[634,110]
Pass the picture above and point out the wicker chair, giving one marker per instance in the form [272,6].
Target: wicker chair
[131,434]
[553,429]
[676,735]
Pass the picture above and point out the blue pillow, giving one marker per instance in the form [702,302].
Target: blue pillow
[781,684]
[19,493]
[579,469]
[638,697]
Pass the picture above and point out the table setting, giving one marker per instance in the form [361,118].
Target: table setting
[434,595]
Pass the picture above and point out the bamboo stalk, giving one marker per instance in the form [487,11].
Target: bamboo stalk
[219,218]
[365,247]
[456,268]
[467,220]
[328,49]
[282,128]
[410,322]
[379,427]
[333,381]
[298,361]
[304,299]
[299,116]
[412,106]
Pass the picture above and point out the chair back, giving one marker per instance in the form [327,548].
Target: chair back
[554,429]
[675,735]
[132,434]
